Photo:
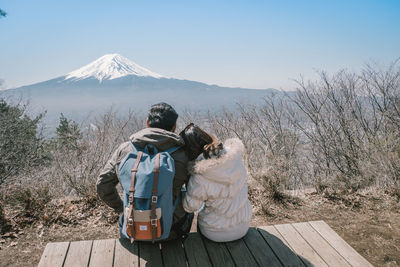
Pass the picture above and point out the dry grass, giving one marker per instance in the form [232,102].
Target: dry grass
[63,219]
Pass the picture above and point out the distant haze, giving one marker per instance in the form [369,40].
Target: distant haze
[115,81]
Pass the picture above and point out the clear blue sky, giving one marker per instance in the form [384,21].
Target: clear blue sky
[254,44]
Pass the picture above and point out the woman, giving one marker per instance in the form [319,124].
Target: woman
[219,181]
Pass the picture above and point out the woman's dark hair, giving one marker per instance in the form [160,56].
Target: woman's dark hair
[162,116]
[198,141]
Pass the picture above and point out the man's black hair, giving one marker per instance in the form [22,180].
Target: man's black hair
[162,116]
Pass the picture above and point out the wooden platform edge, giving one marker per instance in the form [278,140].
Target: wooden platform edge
[339,244]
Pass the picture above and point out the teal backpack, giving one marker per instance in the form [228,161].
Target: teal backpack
[146,176]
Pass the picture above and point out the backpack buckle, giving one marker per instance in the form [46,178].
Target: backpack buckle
[154,199]
[130,221]
[153,222]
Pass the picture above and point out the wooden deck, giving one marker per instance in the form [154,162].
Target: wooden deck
[298,244]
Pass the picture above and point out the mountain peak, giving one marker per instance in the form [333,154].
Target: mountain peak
[108,67]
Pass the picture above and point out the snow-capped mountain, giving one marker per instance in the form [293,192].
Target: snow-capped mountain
[115,81]
[109,67]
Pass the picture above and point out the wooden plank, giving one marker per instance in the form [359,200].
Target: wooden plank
[218,253]
[102,253]
[300,246]
[280,247]
[240,253]
[173,253]
[339,244]
[260,249]
[150,254]
[126,253]
[54,254]
[272,230]
[319,244]
[195,251]
[78,254]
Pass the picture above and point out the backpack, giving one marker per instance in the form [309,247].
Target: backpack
[146,176]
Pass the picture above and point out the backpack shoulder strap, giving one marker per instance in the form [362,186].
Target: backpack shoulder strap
[130,219]
[154,199]
[135,149]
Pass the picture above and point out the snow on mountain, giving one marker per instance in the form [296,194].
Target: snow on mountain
[108,67]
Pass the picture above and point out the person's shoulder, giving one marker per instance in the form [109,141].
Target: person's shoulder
[125,146]
[123,149]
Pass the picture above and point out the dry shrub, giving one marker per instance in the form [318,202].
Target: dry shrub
[352,125]
[267,195]
[340,132]
[26,206]
[76,210]
[76,167]
[394,192]
[29,201]
[348,198]
[4,223]
[273,146]
[78,153]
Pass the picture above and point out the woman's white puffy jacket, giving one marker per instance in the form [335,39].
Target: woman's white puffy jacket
[221,184]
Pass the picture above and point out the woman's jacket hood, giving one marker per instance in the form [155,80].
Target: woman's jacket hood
[223,169]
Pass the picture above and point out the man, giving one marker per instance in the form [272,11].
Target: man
[161,125]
